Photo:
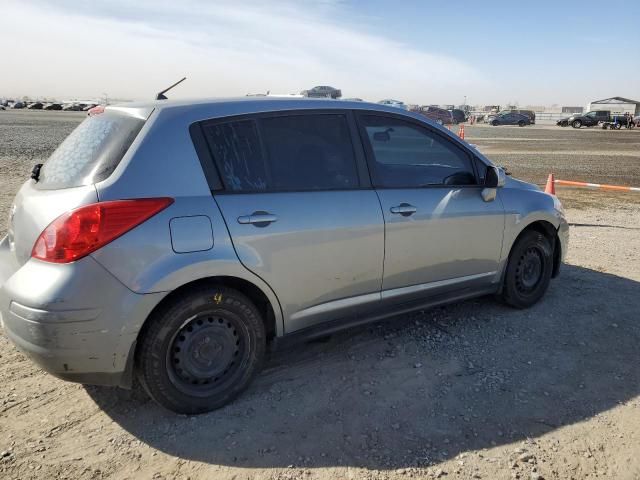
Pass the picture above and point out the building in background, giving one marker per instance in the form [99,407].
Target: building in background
[618,105]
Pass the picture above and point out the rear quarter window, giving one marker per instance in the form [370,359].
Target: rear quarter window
[91,152]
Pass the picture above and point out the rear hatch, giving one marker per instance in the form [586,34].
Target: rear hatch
[66,181]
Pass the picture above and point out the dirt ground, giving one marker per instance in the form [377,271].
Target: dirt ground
[472,390]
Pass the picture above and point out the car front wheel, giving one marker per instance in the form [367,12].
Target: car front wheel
[528,271]
[200,350]
[576,124]
[521,123]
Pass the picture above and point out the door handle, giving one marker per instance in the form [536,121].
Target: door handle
[259,219]
[404,209]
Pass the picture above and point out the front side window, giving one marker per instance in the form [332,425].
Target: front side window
[284,153]
[406,155]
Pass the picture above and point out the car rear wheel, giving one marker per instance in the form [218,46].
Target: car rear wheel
[198,352]
[528,271]
[576,124]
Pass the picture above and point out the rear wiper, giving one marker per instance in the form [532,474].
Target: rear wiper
[161,96]
[35,173]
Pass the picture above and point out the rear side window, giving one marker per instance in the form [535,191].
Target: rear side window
[91,152]
[284,153]
[235,147]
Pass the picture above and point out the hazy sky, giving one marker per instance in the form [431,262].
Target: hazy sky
[537,52]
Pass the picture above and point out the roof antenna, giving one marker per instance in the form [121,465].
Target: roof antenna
[161,96]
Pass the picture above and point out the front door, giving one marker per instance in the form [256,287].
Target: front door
[299,211]
[440,234]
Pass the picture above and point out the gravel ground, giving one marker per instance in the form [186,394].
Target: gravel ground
[472,390]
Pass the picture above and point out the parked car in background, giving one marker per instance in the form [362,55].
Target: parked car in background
[510,119]
[73,107]
[394,103]
[301,248]
[35,106]
[529,113]
[53,106]
[458,115]
[438,115]
[18,105]
[322,91]
[589,119]
[2,107]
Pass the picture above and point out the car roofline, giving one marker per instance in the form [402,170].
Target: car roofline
[248,105]
[291,102]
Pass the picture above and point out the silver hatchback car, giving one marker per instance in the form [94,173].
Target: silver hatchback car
[173,241]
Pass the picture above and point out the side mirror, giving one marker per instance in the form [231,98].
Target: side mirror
[494,178]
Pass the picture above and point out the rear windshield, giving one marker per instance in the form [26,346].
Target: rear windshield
[92,151]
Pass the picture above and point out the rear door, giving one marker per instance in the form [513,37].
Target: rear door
[440,234]
[300,210]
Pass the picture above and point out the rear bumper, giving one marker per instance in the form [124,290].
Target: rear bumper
[75,320]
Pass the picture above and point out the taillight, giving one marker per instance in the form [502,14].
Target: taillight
[79,232]
[97,110]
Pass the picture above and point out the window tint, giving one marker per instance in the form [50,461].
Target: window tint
[406,155]
[91,152]
[309,152]
[236,149]
[293,152]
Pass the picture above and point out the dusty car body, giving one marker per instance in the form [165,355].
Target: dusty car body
[174,240]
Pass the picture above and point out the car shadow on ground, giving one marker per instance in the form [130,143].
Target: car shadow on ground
[420,388]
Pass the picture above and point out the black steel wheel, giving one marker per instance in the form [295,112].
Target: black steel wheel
[529,270]
[200,349]
[206,351]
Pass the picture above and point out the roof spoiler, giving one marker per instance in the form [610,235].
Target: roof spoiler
[161,96]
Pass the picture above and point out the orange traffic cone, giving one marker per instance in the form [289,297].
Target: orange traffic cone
[550,187]
[461,131]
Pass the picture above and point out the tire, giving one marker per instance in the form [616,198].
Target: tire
[618,126]
[528,271]
[576,124]
[200,351]
[521,123]
[494,123]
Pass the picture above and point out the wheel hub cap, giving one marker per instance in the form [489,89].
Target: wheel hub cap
[204,350]
[530,269]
